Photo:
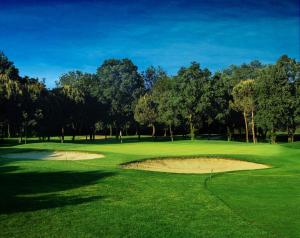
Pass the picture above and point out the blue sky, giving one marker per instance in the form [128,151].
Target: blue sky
[48,38]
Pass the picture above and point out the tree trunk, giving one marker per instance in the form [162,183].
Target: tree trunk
[25,134]
[110,130]
[139,134]
[192,128]
[208,132]
[8,130]
[62,135]
[73,132]
[153,130]
[273,136]
[229,135]
[264,134]
[291,133]
[246,127]
[253,127]
[121,136]
[290,138]
[21,136]
[165,132]
[117,131]
[171,132]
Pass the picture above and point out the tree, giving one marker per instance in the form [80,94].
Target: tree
[297,96]
[277,97]
[151,75]
[223,84]
[145,112]
[118,97]
[119,86]
[222,95]
[167,101]
[193,87]
[10,90]
[31,92]
[72,99]
[243,100]
[82,109]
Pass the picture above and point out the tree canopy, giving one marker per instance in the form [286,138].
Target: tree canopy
[119,99]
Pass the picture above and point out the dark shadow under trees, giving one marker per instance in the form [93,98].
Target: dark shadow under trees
[31,191]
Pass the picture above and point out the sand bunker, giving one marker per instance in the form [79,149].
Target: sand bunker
[53,155]
[194,165]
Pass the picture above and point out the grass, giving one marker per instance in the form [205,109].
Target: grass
[96,198]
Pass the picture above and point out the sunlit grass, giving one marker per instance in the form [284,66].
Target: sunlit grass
[95,198]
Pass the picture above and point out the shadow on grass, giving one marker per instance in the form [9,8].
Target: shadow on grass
[113,140]
[5,142]
[295,145]
[8,150]
[31,191]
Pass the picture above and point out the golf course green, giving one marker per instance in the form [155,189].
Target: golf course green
[99,198]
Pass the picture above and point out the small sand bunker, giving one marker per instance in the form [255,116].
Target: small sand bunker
[53,155]
[194,165]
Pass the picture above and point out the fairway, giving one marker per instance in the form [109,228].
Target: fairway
[99,198]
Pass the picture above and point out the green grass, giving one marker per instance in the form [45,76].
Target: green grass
[97,198]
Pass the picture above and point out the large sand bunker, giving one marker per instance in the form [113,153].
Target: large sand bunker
[53,155]
[194,165]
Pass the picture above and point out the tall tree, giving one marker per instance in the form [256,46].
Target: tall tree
[222,95]
[83,109]
[193,87]
[72,100]
[10,92]
[167,100]
[223,84]
[244,101]
[146,112]
[276,97]
[120,86]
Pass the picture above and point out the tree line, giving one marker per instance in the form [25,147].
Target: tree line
[252,100]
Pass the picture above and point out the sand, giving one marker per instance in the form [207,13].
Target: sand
[53,155]
[194,165]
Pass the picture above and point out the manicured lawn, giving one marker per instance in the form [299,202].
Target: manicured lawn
[96,198]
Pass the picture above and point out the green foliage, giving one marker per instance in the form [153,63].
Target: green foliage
[145,111]
[243,96]
[118,97]
[194,92]
[166,98]
[9,79]
[276,95]
[151,75]
[120,86]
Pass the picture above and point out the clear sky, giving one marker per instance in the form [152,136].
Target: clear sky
[48,38]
